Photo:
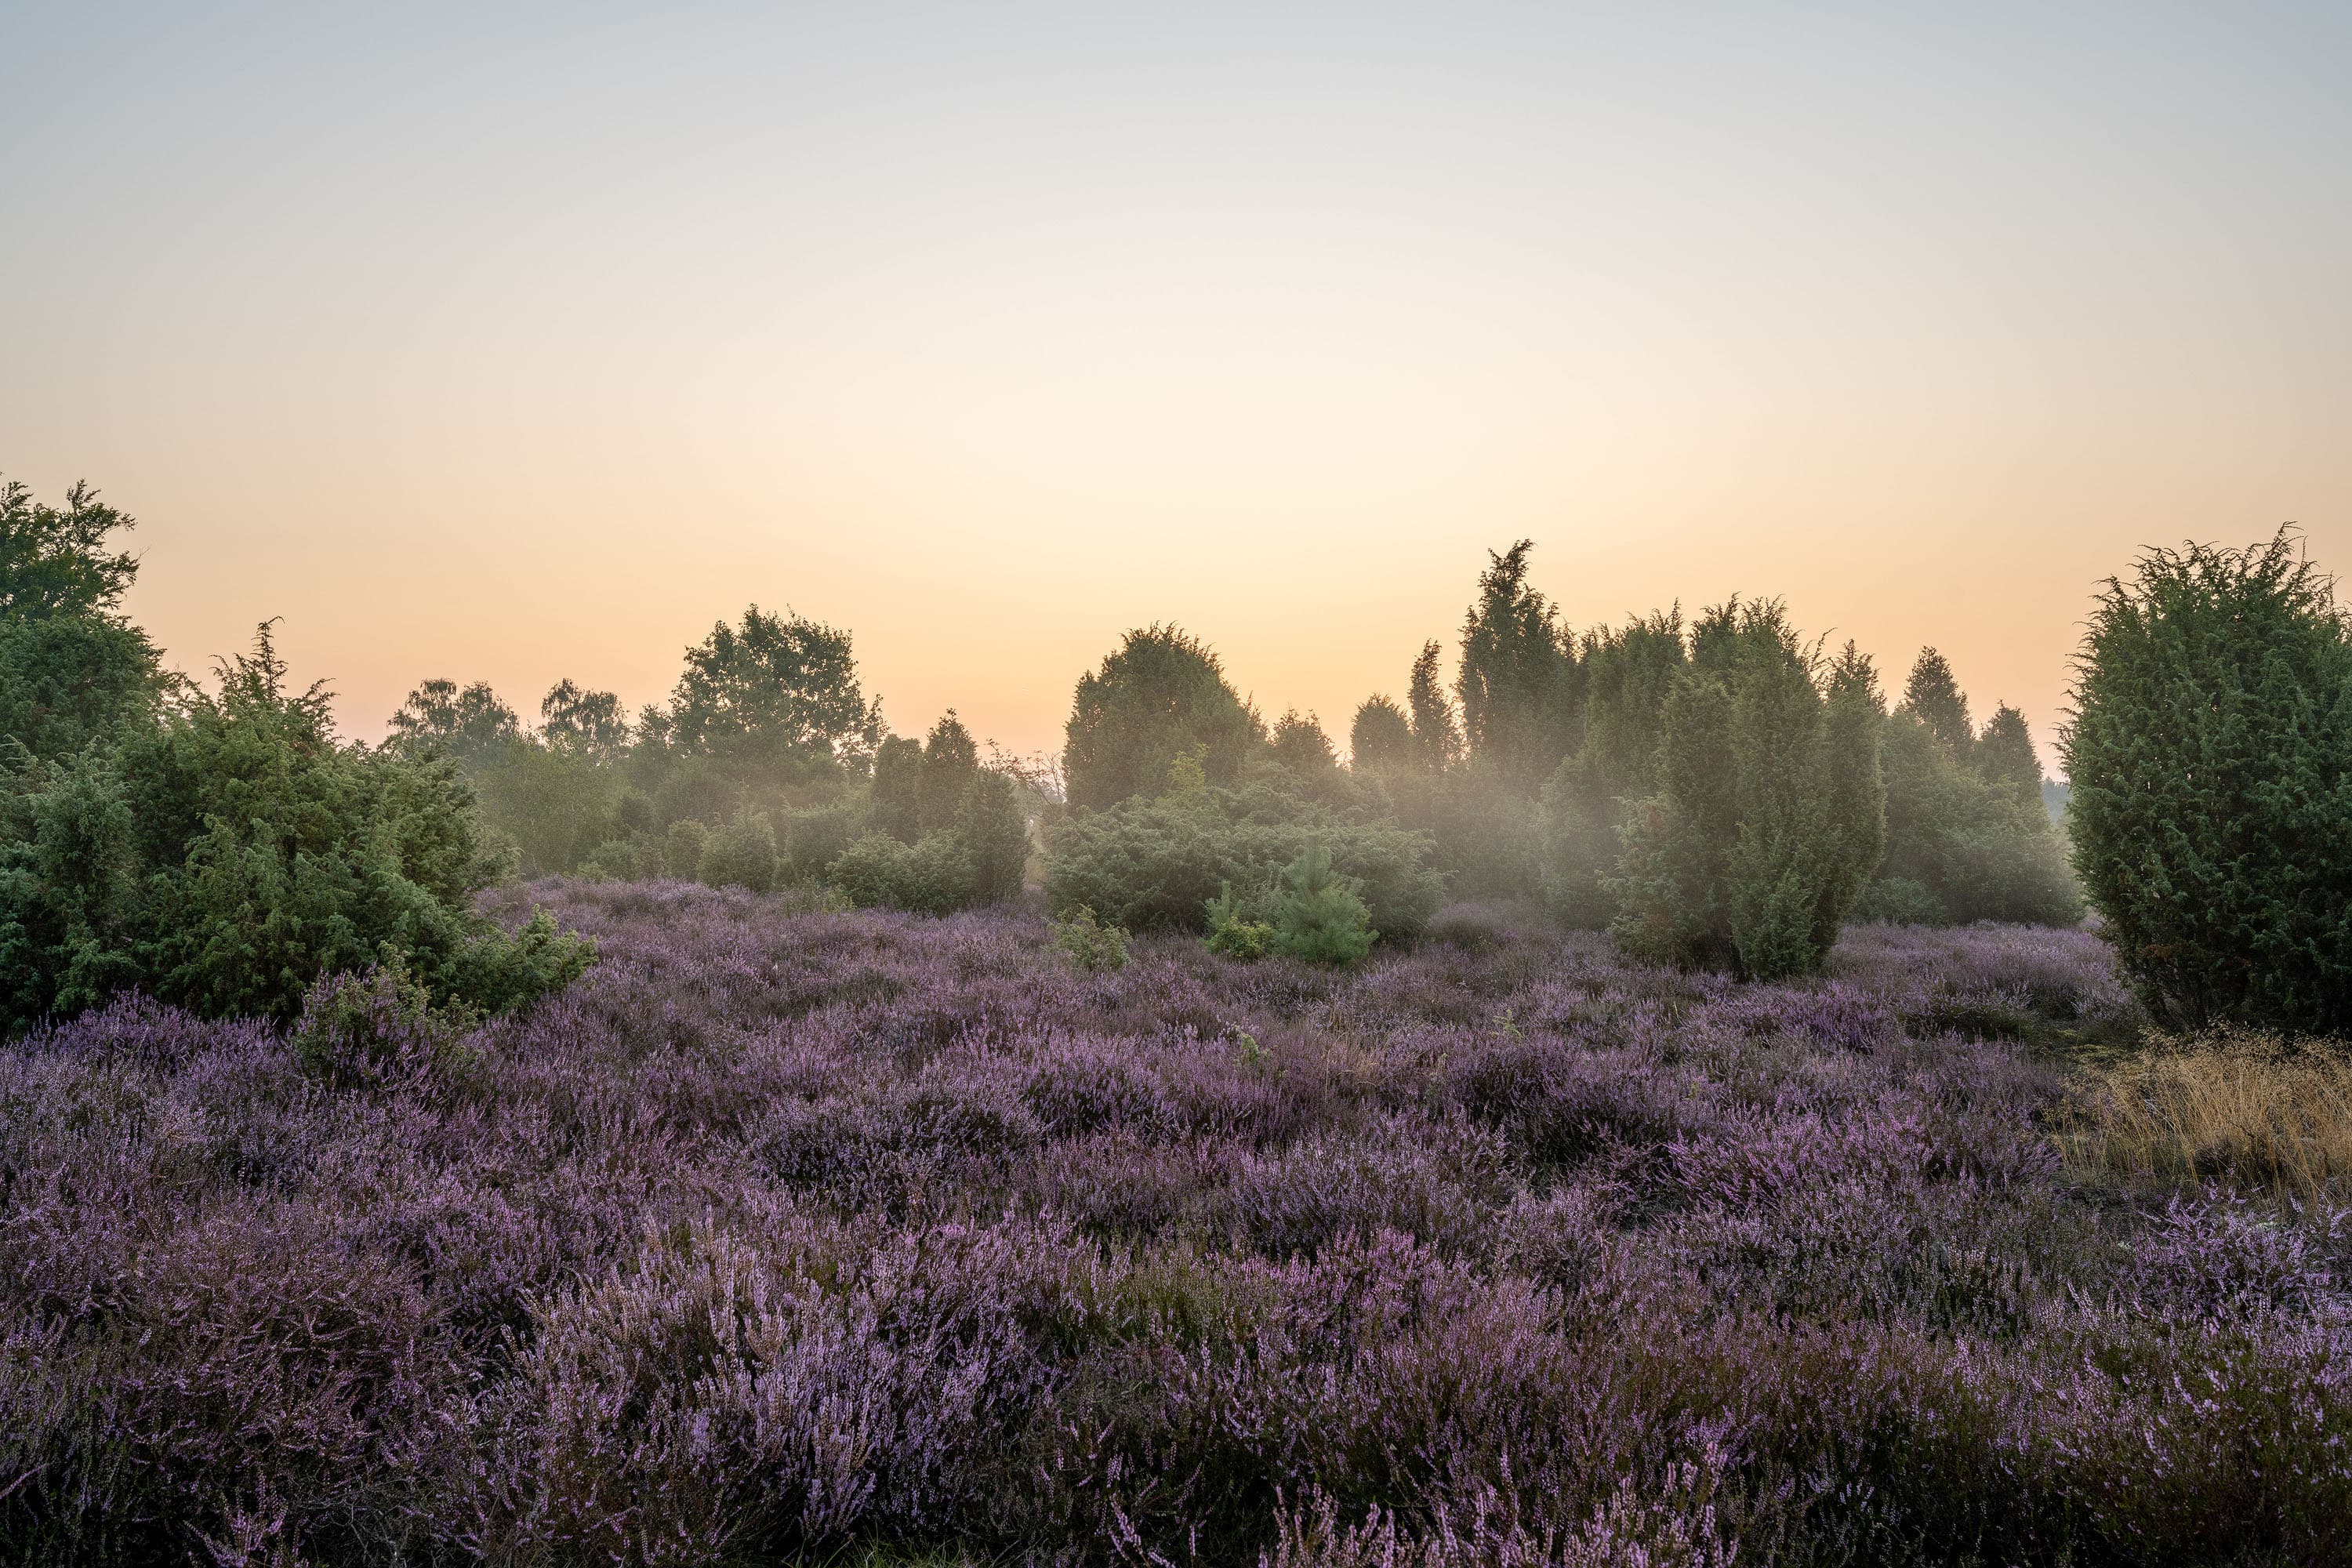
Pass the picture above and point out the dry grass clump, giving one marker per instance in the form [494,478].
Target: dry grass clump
[2253,1109]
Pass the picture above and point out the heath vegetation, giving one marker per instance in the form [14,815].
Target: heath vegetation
[1654,1096]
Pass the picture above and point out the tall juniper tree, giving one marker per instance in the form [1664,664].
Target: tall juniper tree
[2211,756]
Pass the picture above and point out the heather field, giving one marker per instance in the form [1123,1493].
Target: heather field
[862,1236]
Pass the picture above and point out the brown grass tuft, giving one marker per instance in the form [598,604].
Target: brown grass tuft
[2251,1110]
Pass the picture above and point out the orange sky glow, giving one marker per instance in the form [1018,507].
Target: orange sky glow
[525,346]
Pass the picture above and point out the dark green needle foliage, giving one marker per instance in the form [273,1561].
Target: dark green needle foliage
[227,856]
[2210,758]
[1436,728]
[1159,696]
[1767,820]
[1628,675]
[1933,696]
[1517,681]
[1381,739]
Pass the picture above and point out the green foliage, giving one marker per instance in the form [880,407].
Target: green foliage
[979,859]
[69,681]
[1381,739]
[682,848]
[2006,757]
[1156,864]
[371,1027]
[2210,760]
[440,720]
[740,855]
[1517,681]
[54,562]
[1767,823]
[1485,835]
[1436,731]
[1232,932]
[686,789]
[1159,696]
[810,839]
[1086,941]
[931,876]
[223,860]
[1932,696]
[776,688]
[950,762]
[1319,916]
[1628,674]
[1300,746]
[590,723]
[993,837]
[614,860]
[1962,846]
[555,804]
[72,671]
[897,789]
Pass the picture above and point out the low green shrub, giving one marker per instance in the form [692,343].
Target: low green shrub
[1318,916]
[1232,932]
[1090,944]
[614,860]
[1156,864]
[226,858]
[931,876]
[371,1027]
[740,855]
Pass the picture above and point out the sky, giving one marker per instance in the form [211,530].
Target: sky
[523,342]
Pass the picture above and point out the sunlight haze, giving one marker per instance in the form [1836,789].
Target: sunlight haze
[517,343]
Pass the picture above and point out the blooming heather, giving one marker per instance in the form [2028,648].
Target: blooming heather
[788,1230]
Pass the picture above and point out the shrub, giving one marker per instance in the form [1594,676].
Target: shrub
[1381,737]
[811,838]
[1090,944]
[1770,811]
[682,848]
[2210,758]
[614,860]
[554,804]
[994,838]
[228,857]
[1156,864]
[73,671]
[1318,916]
[1157,698]
[1517,680]
[740,855]
[897,790]
[932,875]
[358,1029]
[1628,673]
[1231,930]
[950,763]
[1966,847]
[1484,833]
